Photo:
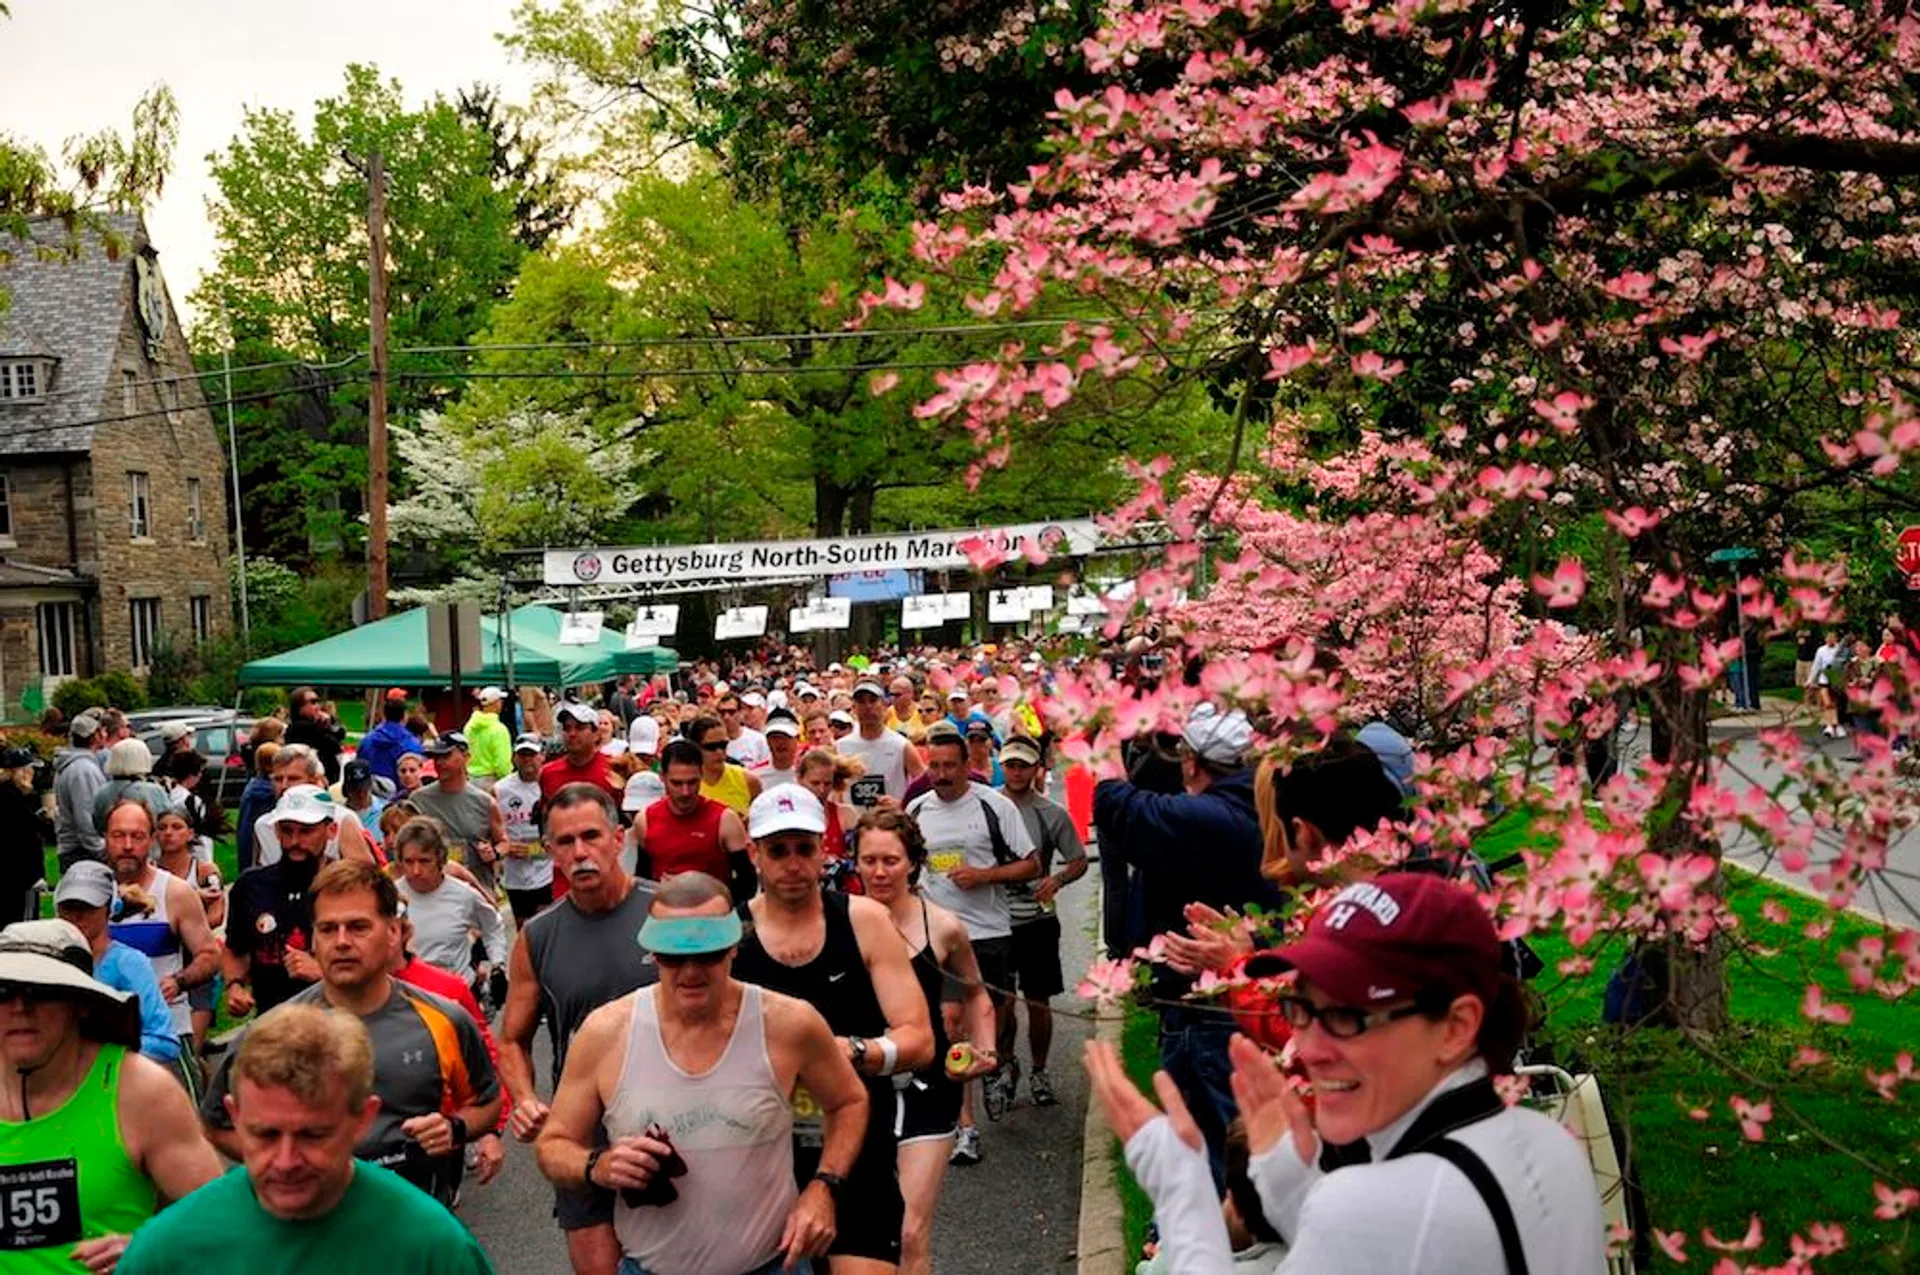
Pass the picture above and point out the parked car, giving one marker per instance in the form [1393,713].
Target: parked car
[151,719]
[219,737]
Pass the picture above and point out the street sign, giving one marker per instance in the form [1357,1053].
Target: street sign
[453,638]
[1906,553]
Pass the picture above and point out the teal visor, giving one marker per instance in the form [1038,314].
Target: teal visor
[690,935]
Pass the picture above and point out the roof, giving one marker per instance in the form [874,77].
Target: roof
[393,652]
[73,309]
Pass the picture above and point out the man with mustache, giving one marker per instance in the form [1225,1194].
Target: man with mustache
[569,960]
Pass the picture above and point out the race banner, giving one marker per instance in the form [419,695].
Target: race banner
[837,555]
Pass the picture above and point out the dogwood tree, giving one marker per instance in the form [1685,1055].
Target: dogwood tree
[1622,283]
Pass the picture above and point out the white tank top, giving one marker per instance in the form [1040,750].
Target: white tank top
[885,756]
[152,935]
[734,1128]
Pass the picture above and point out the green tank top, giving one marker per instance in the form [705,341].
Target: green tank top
[66,1177]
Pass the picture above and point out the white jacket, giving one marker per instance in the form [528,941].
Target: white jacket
[1416,1215]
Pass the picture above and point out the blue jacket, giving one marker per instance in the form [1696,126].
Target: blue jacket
[255,800]
[383,746]
[1185,848]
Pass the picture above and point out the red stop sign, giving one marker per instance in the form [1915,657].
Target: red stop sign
[1906,551]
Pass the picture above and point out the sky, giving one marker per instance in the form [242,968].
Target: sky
[70,67]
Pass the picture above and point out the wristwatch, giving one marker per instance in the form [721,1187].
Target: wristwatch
[859,1046]
[593,1158]
[834,1183]
[461,1134]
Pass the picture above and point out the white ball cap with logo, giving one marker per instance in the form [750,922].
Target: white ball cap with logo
[785,808]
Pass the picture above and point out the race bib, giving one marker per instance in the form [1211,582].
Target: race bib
[809,1124]
[867,790]
[945,861]
[39,1205]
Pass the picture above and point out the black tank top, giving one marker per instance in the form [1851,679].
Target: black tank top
[933,982]
[835,982]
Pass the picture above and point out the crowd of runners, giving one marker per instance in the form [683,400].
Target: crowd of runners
[780,922]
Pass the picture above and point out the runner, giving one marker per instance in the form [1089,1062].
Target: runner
[445,913]
[269,918]
[527,871]
[161,915]
[77,1093]
[843,956]
[977,843]
[746,747]
[436,1086]
[83,900]
[298,766]
[1037,976]
[885,752]
[303,1098]
[567,962]
[892,855]
[692,1079]
[175,854]
[686,831]
[902,708]
[582,762]
[783,747]
[465,810]
[720,779]
[485,1154]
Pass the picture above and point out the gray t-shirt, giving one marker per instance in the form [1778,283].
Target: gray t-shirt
[428,1056]
[582,960]
[1053,834]
[467,816]
[956,832]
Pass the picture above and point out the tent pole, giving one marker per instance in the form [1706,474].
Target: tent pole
[505,630]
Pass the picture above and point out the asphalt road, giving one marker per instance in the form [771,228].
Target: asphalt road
[1016,1211]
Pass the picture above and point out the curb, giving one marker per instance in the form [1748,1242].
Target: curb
[1102,1239]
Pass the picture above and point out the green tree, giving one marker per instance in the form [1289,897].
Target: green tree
[290,281]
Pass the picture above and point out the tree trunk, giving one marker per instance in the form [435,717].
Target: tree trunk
[1689,983]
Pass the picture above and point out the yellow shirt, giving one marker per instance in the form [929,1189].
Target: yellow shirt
[731,791]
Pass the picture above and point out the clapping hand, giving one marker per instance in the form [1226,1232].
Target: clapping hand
[1127,1109]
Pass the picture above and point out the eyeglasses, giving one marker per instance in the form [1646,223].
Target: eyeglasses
[697,958]
[717,746]
[778,850]
[1342,1022]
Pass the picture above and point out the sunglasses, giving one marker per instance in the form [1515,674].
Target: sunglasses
[31,994]
[778,850]
[1342,1022]
[717,746]
[698,958]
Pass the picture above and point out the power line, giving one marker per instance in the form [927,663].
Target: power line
[258,396]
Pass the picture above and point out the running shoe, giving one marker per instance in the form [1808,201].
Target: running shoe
[966,1147]
[1041,1086]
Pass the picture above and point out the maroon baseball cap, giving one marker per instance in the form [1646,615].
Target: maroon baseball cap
[1393,937]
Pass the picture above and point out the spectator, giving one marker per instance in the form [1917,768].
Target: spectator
[383,746]
[129,766]
[490,745]
[255,800]
[310,725]
[1200,846]
[79,773]
[23,837]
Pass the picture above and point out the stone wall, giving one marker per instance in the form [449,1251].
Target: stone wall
[38,499]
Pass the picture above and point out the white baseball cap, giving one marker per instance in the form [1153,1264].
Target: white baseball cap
[304,803]
[488,694]
[1217,737]
[644,735]
[785,808]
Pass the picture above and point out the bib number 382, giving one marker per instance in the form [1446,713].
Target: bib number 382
[39,1204]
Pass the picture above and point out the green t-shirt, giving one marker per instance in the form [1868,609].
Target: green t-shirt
[382,1223]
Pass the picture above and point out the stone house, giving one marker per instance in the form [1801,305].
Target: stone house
[113,480]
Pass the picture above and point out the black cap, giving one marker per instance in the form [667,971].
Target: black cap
[445,742]
[356,774]
[13,757]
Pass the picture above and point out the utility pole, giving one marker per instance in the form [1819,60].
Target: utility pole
[377,388]
[239,516]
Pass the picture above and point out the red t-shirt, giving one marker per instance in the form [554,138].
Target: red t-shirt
[431,978]
[561,771]
[678,844]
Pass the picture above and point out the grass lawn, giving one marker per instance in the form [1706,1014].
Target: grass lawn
[1703,1173]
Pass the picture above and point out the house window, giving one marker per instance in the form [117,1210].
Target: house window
[143,622]
[196,523]
[20,379]
[200,611]
[170,395]
[139,506]
[56,638]
[6,507]
[129,392]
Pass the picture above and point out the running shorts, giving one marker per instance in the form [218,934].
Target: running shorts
[929,1107]
[1036,959]
[871,1211]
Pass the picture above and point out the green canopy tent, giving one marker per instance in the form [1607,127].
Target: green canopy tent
[393,652]
[541,624]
